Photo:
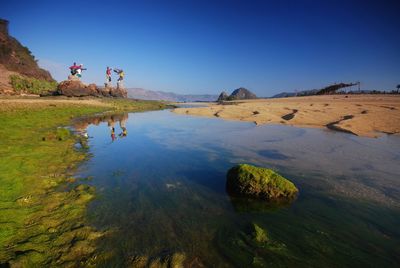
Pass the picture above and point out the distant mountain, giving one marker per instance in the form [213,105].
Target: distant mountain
[223,96]
[331,89]
[144,94]
[242,94]
[299,93]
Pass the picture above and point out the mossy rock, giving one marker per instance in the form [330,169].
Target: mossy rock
[260,183]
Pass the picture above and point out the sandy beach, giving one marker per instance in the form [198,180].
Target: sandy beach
[362,115]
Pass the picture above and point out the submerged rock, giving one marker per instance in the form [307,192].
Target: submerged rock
[251,246]
[257,182]
[173,260]
[259,234]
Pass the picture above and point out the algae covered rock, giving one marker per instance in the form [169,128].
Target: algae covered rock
[257,182]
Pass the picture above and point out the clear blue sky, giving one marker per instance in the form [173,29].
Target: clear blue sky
[208,46]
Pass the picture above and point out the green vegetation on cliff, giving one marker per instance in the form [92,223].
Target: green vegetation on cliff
[31,85]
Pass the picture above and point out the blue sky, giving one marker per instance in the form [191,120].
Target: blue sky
[198,47]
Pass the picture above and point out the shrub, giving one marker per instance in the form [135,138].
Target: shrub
[31,85]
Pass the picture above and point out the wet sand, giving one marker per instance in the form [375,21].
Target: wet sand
[361,115]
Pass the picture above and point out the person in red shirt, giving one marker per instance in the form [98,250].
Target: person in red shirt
[108,74]
[74,68]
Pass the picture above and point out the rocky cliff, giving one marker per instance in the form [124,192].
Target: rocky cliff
[17,58]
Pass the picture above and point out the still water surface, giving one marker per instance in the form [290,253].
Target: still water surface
[161,190]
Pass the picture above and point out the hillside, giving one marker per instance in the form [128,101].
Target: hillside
[293,94]
[144,94]
[17,59]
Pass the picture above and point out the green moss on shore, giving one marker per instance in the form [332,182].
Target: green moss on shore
[40,223]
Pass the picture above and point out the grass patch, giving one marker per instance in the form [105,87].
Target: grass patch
[31,85]
[42,215]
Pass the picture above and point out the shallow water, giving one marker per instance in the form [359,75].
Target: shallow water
[161,190]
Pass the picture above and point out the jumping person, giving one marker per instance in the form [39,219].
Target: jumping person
[120,73]
[74,69]
[108,74]
[108,77]
[79,70]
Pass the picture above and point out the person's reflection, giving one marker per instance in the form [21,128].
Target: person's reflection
[81,125]
[81,128]
[122,124]
[111,125]
[113,134]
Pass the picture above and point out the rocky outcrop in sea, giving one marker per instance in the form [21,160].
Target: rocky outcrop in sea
[238,94]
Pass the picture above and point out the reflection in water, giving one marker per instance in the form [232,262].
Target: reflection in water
[245,205]
[81,124]
[112,133]
[163,192]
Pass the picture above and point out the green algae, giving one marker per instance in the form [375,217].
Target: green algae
[252,246]
[171,260]
[40,224]
[263,183]
[260,235]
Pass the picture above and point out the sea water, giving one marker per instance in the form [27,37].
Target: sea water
[160,189]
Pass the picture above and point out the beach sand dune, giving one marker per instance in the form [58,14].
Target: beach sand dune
[362,115]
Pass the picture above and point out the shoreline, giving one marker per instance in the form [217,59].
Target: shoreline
[360,115]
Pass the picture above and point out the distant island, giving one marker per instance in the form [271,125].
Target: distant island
[238,94]
[145,94]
